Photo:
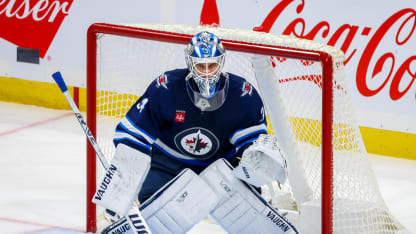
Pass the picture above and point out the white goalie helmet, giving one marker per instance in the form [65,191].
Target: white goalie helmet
[205,56]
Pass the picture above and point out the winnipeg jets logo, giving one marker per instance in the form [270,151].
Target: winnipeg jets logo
[246,89]
[162,80]
[197,142]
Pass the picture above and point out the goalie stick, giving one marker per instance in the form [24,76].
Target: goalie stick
[134,217]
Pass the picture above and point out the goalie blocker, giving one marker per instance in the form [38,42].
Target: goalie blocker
[123,179]
[188,198]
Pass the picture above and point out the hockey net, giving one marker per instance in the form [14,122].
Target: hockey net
[309,108]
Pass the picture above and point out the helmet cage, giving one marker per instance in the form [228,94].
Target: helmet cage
[207,78]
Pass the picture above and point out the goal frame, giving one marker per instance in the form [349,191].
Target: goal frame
[327,104]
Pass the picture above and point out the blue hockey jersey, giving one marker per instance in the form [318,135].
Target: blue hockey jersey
[164,122]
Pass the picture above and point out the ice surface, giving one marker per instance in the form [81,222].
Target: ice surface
[42,175]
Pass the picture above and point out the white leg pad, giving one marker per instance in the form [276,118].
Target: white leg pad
[241,209]
[180,204]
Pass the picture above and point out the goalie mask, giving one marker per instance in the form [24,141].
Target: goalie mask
[204,57]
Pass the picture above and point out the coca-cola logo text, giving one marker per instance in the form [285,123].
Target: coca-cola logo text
[32,23]
[399,78]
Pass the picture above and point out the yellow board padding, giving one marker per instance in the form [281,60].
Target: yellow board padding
[377,141]
[310,131]
[389,143]
[37,93]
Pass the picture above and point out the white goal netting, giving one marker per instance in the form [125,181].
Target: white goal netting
[126,65]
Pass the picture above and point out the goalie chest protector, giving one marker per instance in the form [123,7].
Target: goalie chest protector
[166,121]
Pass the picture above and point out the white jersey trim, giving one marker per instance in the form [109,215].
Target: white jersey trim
[171,151]
[123,135]
[242,133]
[130,126]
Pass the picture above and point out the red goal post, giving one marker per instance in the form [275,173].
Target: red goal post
[243,43]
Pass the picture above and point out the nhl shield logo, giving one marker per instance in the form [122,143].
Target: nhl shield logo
[197,142]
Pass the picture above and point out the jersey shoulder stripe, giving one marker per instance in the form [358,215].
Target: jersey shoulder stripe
[128,125]
[242,134]
[119,135]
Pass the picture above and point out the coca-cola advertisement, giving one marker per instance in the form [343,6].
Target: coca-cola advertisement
[378,39]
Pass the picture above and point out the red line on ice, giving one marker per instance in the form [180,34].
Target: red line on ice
[36,224]
[34,124]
